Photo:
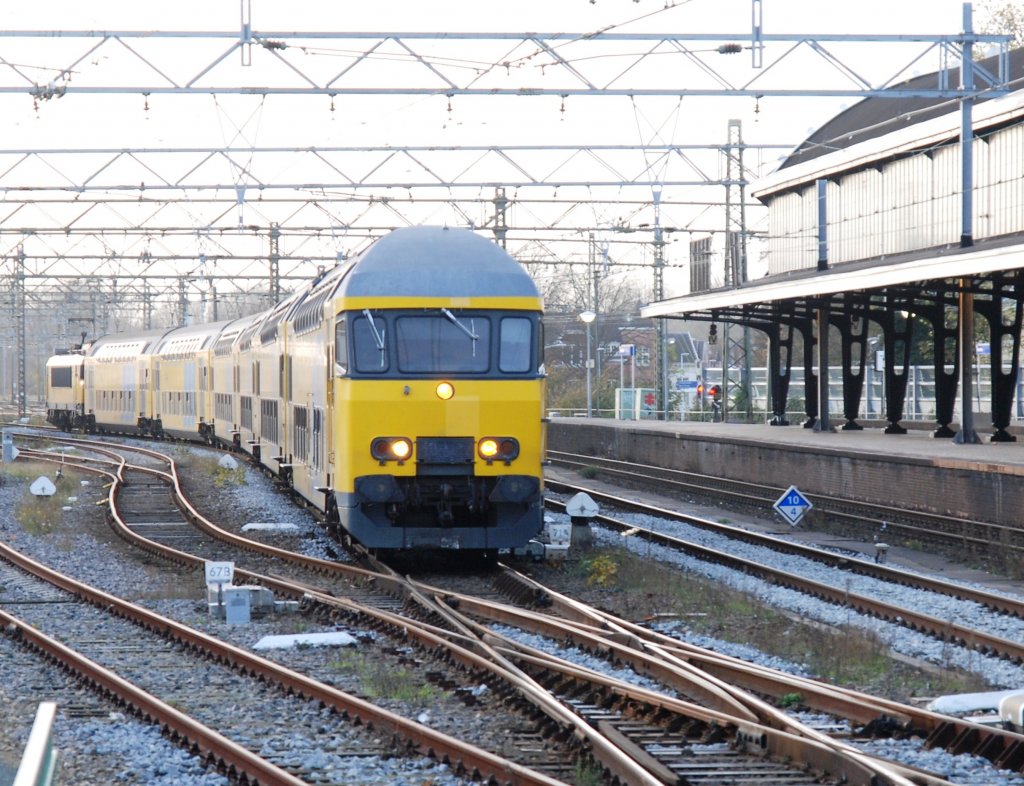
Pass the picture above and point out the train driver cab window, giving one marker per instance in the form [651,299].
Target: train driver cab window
[370,343]
[340,347]
[445,342]
[516,343]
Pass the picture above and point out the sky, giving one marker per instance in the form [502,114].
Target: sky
[162,121]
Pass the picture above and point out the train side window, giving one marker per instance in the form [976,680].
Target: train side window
[514,353]
[540,347]
[341,347]
[60,377]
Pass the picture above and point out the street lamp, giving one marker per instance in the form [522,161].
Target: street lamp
[586,318]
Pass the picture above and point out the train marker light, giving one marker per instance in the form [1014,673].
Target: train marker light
[444,390]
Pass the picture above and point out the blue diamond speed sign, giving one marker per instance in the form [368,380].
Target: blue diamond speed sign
[792,505]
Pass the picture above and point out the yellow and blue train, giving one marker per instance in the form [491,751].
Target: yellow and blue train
[401,393]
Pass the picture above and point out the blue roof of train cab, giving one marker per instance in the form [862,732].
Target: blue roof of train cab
[436,262]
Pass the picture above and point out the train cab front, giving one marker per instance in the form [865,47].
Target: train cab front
[447,501]
[438,424]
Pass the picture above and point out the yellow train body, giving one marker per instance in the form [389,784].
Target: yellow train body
[401,393]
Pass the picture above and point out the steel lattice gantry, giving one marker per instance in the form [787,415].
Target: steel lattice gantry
[169,65]
[558,64]
[122,209]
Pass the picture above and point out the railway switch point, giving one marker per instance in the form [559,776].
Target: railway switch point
[236,604]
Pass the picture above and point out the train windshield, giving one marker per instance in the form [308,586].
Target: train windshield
[433,342]
[443,343]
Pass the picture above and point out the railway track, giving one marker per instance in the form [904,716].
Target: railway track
[638,735]
[997,542]
[416,737]
[669,738]
[166,651]
[106,642]
[648,652]
[834,592]
[994,601]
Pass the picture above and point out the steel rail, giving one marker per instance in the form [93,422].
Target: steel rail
[600,632]
[791,742]
[680,674]
[778,734]
[1008,752]
[233,758]
[195,517]
[1001,603]
[614,758]
[475,652]
[425,740]
[1003,747]
[591,630]
[616,761]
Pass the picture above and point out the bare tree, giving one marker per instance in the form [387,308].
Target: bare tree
[1003,16]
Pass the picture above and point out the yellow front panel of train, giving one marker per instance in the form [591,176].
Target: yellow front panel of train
[366,410]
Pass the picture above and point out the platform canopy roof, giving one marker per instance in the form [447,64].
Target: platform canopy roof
[871,131]
[926,270]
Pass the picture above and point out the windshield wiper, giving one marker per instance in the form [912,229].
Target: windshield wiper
[378,336]
[455,321]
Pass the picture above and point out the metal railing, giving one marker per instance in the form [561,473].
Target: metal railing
[39,763]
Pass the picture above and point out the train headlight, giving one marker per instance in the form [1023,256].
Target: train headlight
[402,449]
[492,449]
[444,390]
[391,449]
[488,448]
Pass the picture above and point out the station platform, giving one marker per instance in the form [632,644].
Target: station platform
[978,482]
